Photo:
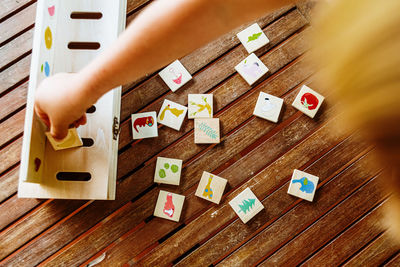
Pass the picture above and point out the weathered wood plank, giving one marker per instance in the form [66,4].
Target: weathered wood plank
[12,127]
[9,183]
[45,216]
[394,262]
[14,208]
[16,48]
[295,251]
[19,22]
[10,155]
[294,221]
[376,253]
[306,7]
[10,6]
[349,242]
[15,73]
[14,100]
[225,240]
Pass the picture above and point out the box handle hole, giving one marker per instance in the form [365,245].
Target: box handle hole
[92,109]
[74,176]
[87,142]
[84,45]
[86,15]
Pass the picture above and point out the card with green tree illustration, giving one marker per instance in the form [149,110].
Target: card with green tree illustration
[168,171]
[246,205]
[253,38]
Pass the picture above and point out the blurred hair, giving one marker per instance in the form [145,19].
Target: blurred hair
[357,43]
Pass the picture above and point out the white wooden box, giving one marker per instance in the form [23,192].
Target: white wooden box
[62,28]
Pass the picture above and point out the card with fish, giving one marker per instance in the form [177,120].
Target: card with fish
[303,185]
[144,125]
[175,75]
[172,114]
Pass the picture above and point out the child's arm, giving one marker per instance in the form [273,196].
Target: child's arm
[163,32]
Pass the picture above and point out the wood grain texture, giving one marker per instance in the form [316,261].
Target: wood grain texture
[253,153]
[13,101]
[16,48]
[7,7]
[21,21]
[293,221]
[375,253]
[206,221]
[321,231]
[347,243]
[12,127]
[223,242]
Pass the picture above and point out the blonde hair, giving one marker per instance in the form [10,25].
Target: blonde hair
[357,43]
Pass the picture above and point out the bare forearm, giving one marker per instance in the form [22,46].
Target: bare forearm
[167,30]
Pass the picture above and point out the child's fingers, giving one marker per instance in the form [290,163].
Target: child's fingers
[58,132]
[80,121]
[43,116]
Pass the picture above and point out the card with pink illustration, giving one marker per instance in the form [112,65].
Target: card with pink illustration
[169,206]
[175,75]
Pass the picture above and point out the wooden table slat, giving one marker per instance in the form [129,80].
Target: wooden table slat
[375,253]
[351,240]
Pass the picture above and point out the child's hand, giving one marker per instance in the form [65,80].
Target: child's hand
[60,102]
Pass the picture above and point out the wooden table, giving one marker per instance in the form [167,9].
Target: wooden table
[342,225]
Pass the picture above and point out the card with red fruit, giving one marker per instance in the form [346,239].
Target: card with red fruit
[169,206]
[308,101]
[175,75]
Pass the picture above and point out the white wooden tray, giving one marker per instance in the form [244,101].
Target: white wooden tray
[68,35]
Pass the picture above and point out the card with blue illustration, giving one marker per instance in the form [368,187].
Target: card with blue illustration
[303,185]
[211,187]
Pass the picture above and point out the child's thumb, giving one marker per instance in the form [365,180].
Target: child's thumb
[58,132]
